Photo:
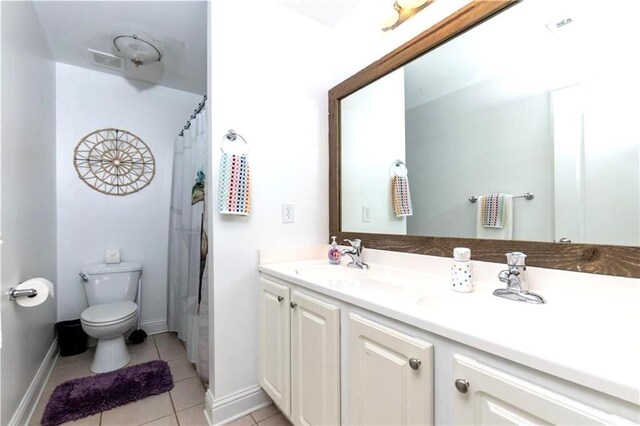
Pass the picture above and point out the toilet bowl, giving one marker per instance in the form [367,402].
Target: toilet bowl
[108,323]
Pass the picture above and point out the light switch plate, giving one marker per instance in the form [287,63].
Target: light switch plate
[288,213]
[112,255]
[366,214]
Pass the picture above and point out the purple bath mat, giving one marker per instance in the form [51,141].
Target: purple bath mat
[86,396]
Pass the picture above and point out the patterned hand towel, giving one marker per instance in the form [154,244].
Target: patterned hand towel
[234,195]
[484,208]
[401,196]
[493,210]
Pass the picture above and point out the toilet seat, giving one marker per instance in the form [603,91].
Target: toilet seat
[109,314]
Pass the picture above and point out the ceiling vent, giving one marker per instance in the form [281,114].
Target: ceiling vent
[106,60]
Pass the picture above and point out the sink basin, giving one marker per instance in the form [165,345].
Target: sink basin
[376,280]
[330,272]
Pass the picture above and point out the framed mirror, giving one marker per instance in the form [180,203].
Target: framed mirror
[507,126]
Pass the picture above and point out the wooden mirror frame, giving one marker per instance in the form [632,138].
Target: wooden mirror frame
[591,258]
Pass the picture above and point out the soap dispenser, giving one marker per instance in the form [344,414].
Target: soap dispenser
[461,279]
[334,254]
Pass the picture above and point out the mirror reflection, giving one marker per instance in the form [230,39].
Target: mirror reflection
[540,100]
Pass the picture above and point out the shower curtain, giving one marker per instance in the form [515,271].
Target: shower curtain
[188,308]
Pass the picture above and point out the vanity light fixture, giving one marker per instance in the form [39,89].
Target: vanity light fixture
[402,11]
[137,49]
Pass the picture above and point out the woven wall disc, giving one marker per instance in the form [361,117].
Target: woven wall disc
[114,162]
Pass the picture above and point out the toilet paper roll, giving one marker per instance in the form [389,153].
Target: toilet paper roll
[44,288]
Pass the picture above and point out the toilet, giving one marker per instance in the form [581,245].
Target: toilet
[111,291]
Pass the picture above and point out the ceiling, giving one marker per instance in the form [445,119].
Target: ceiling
[180,27]
[327,12]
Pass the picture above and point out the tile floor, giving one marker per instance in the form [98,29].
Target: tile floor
[183,405]
[267,416]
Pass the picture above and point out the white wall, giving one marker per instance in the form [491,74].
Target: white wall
[488,137]
[272,89]
[28,172]
[270,86]
[597,162]
[89,221]
[372,140]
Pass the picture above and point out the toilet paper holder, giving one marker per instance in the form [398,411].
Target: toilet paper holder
[27,292]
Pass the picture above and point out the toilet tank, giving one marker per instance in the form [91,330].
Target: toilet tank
[109,283]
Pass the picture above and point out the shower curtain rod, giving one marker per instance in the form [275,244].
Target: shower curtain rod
[195,112]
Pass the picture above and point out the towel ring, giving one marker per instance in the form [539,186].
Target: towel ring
[232,136]
[398,168]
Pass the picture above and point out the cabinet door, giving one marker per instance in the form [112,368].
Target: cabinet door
[315,361]
[274,342]
[497,398]
[385,388]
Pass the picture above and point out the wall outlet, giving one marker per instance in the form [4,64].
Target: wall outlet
[288,213]
[366,214]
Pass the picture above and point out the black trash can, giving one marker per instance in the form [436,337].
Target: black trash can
[72,340]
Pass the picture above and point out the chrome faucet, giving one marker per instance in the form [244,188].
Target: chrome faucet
[516,279]
[355,252]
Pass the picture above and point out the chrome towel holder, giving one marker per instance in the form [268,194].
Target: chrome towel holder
[233,136]
[398,168]
[526,196]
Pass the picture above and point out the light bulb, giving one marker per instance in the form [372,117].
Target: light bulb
[410,4]
[389,18]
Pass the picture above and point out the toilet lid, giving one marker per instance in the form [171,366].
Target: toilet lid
[109,312]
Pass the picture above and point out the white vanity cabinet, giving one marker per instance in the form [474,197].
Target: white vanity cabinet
[390,376]
[275,350]
[315,361]
[300,354]
[329,358]
[488,396]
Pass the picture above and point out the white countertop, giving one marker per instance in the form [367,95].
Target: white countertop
[588,332]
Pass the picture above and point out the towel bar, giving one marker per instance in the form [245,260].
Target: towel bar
[526,196]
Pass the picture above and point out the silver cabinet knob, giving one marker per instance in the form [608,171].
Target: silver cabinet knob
[280,298]
[462,385]
[414,363]
[293,305]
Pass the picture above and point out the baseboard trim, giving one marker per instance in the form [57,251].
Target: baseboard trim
[155,326]
[234,406]
[22,415]
[208,407]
